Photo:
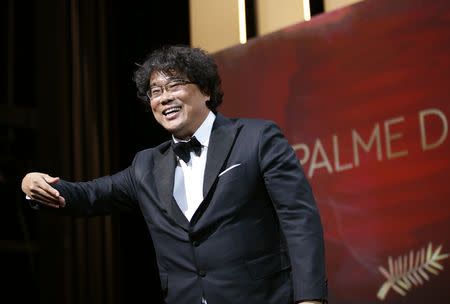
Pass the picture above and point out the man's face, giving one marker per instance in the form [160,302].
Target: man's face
[181,111]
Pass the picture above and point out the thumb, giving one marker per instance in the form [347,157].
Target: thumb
[51,180]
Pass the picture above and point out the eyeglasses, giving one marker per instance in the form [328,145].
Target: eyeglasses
[172,86]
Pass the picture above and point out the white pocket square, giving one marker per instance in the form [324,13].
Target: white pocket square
[228,169]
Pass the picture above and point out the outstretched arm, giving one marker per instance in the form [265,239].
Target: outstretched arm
[37,186]
[96,197]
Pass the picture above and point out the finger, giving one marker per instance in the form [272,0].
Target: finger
[53,193]
[49,189]
[33,182]
[45,198]
[45,201]
[51,196]
[62,201]
[44,190]
[51,180]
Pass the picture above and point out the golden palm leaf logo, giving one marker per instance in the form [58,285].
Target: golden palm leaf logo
[411,270]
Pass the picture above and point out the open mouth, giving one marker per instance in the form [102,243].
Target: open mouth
[171,111]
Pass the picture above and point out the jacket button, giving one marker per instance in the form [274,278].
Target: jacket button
[202,273]
[195,243]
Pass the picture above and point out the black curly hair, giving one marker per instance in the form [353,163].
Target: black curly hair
[194,63]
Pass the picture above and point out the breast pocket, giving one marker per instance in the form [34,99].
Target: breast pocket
[232,188]
[231,173]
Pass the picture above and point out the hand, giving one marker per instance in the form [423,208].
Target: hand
[37,186]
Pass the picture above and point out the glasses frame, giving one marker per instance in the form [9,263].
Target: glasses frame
[164,87]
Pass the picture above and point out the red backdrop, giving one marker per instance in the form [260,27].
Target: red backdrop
[363,96]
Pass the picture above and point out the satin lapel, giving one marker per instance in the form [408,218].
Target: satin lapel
[220,143]
[164,174]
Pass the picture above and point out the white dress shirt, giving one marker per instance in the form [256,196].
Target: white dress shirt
[188,183]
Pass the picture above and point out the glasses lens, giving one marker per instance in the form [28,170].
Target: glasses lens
[172,86]
[175,85]
[155,92]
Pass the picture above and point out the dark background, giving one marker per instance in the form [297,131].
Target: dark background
[31,243]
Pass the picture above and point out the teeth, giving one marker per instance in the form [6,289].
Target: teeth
[171,110]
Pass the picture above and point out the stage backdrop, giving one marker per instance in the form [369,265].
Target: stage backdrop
[363,95]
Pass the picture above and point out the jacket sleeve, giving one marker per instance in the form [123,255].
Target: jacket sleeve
[297,211]
[100,196]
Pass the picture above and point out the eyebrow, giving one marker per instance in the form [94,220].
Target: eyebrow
[169,79]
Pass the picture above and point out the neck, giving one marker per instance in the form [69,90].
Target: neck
[188,135]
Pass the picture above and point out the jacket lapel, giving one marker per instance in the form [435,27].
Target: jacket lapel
[222,138]
[164,175]
[221,141]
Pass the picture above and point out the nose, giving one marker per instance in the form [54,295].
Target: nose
[166,97]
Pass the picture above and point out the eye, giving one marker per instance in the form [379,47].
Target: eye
[174,85]
[155,91]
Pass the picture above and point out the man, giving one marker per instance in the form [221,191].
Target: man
[233,219]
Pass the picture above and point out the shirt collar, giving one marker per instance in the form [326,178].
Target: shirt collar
[204,131]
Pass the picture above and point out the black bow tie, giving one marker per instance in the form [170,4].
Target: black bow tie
[183,149]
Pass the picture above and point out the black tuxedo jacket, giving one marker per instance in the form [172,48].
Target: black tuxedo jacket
[257,236]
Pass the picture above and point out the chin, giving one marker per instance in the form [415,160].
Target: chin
[174,130]
[170,126]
